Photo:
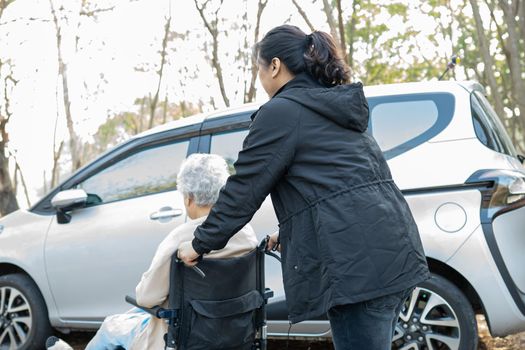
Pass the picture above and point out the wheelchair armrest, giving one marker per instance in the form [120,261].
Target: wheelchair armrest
[156,311]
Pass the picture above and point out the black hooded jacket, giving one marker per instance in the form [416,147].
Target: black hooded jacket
[346,232]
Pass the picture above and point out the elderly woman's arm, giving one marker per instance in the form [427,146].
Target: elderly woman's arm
[153,287]
[268,150]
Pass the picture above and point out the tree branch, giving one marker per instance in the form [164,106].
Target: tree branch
[251,90]
[24,185]
[303,14]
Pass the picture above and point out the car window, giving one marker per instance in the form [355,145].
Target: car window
[397,122]
[402,122]
[228,146]
[488,126]
[147,171]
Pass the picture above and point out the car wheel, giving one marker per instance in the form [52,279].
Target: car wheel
[24,321]
[436,316]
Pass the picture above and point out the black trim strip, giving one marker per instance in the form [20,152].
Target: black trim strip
[448,188]
[226,123]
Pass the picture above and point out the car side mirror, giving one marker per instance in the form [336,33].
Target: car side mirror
[521,158]
[67,200]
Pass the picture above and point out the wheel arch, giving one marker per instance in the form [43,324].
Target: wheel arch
[7,268]
[459,281]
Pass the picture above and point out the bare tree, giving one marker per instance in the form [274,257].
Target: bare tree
[334,27]
[213,28]
[303,15]
[515,61]
[341,29]
[18,172]
[487,58]
[154,101]
[62,72]
[8,202]
[250,95]
[85,10]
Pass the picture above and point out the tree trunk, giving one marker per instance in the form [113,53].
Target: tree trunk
[341,30]
[213,29]
[351,36]
[8,202]
[55,172]
[154,102]
[250,96]
[522,19]
[18,170]
[334,27]
[513,45]
[62,71]
[165,109]
[487,59]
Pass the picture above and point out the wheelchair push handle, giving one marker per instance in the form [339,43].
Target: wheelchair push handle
[263,246]
[195,268]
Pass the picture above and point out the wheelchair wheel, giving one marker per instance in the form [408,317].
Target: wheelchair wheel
[24,322]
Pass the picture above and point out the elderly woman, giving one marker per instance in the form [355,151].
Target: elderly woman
[200,179]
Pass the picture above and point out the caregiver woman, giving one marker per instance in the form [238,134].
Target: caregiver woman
[349,244]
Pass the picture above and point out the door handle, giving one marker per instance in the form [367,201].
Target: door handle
[166,213]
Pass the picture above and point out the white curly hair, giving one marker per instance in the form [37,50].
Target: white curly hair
[201,177]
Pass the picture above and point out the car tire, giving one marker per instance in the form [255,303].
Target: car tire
[436,316]
[23,314]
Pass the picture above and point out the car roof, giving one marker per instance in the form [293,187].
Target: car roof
[420,87]
[199,118]
[370,91]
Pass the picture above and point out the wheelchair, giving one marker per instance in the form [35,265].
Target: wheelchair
[218,304]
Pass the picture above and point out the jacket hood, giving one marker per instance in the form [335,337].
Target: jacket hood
[345,105]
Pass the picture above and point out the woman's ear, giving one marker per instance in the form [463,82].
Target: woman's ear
[275,66]
[187,201]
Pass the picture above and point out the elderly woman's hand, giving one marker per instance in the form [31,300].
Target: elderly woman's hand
[187,254]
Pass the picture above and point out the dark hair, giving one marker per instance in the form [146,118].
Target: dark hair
[315,53]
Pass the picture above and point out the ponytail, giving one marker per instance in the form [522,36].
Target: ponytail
[323,61]
[315,54]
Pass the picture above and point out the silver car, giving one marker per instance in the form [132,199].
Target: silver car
[68,261]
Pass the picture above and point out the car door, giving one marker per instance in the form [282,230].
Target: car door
[96,259]
[225,138]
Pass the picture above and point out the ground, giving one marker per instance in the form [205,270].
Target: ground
[512,342]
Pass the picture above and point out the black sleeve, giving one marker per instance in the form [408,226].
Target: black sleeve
[267,152]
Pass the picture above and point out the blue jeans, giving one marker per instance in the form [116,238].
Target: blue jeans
[367,325]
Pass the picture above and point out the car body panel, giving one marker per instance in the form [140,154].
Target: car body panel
[475,263]
[426,163]
[429,209]
[509,232]
[99,256]
[21,245]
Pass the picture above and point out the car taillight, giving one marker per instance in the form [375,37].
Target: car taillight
[502,191]
[516,190]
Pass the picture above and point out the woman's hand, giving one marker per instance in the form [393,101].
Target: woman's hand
[273,242]
[187,254]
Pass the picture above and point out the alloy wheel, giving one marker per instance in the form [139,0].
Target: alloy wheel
[15,318]
[427,322]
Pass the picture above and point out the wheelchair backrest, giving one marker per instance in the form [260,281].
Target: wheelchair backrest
[225,278]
